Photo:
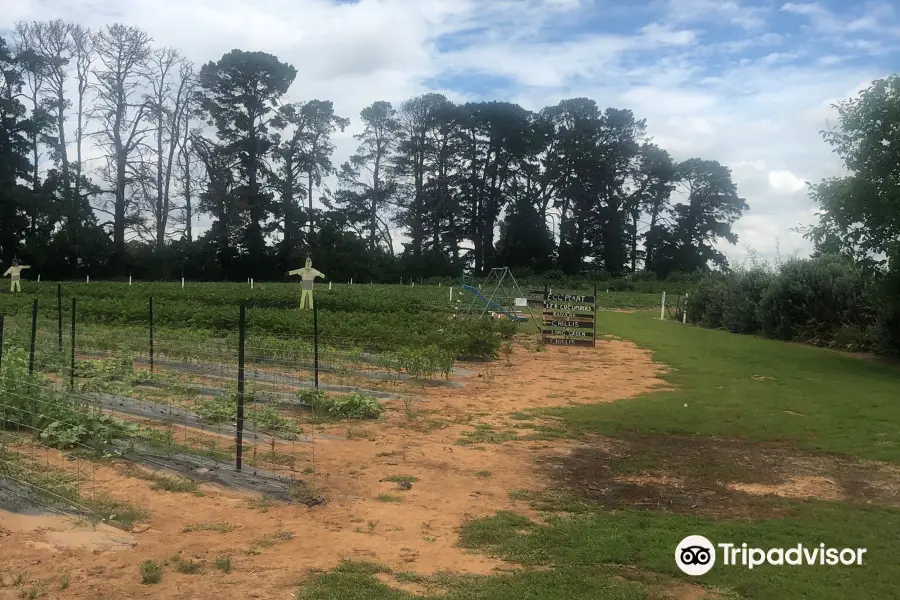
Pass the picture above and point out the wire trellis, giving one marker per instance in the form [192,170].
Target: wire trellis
[175,404]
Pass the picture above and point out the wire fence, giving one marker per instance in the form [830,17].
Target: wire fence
[238,409]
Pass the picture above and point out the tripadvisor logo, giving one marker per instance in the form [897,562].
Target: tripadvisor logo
[696,555]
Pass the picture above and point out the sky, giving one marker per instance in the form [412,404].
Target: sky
[749,83]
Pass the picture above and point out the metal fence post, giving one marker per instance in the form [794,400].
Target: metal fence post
[59,311]
[239,438]
[34,310]
[150,309]
[72,367]
[316,344]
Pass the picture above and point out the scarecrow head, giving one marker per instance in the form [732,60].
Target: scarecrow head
[308,263]
[15,262]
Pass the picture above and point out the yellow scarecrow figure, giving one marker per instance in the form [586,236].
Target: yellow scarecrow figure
[15,274]
[307,275]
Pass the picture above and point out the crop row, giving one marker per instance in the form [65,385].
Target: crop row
[411,320]
[341,298]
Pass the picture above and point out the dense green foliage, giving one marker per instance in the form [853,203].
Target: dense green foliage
[827,301]
[28,402]
[859,212]
[376,317]
[345,406]
[848,295]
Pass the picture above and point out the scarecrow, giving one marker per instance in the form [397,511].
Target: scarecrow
[15,274]
[307,275]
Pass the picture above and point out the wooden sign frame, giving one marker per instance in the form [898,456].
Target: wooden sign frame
[569,319]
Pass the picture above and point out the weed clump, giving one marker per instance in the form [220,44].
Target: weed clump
[348,406]
[151,572]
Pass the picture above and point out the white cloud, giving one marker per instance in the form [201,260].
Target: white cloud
[565,5]
[745,99]
[729,11]
[876,17]
[785,182]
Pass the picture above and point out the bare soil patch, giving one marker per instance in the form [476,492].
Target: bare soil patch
[715,477]
[366,516]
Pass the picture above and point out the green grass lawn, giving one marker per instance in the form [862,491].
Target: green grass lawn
[756,389]
[747,394]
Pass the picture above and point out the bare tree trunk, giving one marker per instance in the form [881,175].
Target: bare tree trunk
[169,107]
[312,229]
[287,199]
[188,191]
[373,214]
[53,43]
[313,152]
[123,53]
[161,211]
[186,151]
[83,48]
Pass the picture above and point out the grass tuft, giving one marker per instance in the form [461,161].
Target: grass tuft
[151,572]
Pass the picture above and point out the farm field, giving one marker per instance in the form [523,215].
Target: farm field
[544,473]
[380,316]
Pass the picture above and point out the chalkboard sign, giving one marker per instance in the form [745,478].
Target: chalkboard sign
[568,320]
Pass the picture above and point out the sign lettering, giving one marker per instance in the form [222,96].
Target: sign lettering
[568,320]
[568,342]
[568,323]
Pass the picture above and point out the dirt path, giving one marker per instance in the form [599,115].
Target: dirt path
[272,547]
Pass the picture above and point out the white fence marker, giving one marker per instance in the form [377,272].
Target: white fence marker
[251,283]
[662,308]
[182,283]
[329,286]
[39,278]
[129,280]
[451,294]
[87,279]
[684,310]
[351,281]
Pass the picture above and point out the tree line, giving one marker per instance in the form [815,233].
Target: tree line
[847,294]
[572,187]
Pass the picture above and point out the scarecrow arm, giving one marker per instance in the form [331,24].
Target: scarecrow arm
[24,266]
[319,274]
[7,272]
[294,272]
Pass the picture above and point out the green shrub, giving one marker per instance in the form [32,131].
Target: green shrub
[741,304]
[825,301]
[151,572]
[424,362]
[706,304]
[811,300]
[29,401]
[349,406]
[217,410]
[886,331]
